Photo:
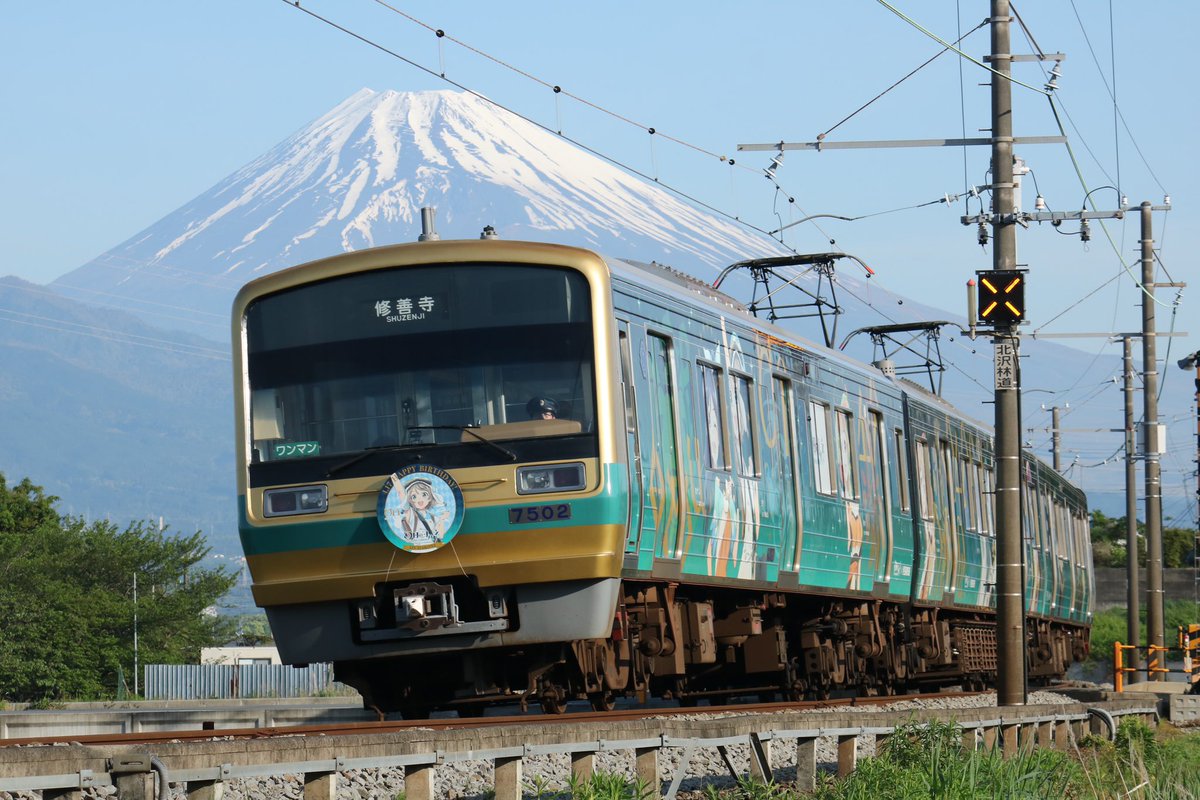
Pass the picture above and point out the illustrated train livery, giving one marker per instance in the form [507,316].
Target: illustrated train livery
[474,472]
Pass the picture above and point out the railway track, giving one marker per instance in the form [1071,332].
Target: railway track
[453,723]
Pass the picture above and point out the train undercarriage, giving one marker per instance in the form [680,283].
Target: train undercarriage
[692,643]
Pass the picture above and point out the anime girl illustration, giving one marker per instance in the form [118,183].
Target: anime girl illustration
[420,509]
[421,521]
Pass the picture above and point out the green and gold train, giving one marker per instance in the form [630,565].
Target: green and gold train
[476,472]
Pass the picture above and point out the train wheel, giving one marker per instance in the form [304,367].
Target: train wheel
[471,712]
[602,701]
[554,700]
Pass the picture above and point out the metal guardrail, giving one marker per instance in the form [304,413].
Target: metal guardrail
[431,749]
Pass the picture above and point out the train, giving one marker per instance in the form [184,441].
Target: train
[481,471]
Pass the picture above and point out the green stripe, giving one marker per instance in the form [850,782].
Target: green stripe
[312,533]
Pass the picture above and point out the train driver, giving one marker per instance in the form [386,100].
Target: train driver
[542,408]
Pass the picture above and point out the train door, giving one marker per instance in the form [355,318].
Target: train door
[928,556]
[633,453]
[660,463]
[880,518]
[789,488]
[947,518]
[846,464]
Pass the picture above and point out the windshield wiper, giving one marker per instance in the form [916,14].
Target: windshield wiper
[468,429]
[370,451]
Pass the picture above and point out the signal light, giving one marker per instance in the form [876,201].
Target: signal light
[1001,296]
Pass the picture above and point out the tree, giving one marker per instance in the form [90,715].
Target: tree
[1109,546]
[66,599]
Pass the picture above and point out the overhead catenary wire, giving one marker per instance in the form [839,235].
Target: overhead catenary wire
[108,334]
[950,46]
[926,63]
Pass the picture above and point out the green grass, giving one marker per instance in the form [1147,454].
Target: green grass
[929,763]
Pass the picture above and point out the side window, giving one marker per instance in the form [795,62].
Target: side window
[743,427]
[714,420]
[626,387]
[902,470]
[964,482]
[989,502]
[948,482]
[924,480]
[846,473]
[818,426]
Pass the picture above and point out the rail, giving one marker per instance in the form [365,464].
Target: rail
[64,772]
[1189,643]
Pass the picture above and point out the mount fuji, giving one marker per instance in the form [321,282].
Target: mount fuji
[358,177]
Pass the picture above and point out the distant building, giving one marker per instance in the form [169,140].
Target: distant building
[239,655]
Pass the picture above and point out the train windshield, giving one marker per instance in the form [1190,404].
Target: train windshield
[411,360]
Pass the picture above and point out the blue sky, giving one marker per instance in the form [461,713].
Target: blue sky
[119,113]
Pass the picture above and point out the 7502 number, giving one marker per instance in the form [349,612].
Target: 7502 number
[527,514]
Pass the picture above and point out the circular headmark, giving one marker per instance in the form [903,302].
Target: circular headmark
[420,508]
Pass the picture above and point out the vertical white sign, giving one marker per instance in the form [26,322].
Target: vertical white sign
[1006,364]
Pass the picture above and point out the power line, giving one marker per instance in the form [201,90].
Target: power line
[930,60]
[949,46]
[108,334]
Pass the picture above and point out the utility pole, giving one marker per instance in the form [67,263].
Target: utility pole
[1010,579]
[1055,438]
[1153,446]
[1133,620]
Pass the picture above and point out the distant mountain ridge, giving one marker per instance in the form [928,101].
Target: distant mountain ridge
[119,419]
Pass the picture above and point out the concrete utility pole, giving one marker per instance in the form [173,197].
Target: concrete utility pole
[1152,445]
[1010,595]
[1056,438]
[1133,624]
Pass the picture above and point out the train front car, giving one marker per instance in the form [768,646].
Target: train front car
[430,488]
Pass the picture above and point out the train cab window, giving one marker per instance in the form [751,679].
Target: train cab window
[902,470]
[407,358]
[743,427]
[847,475]
[714,419]
[818,427]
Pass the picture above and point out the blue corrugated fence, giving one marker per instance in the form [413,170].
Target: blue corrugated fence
[230,681]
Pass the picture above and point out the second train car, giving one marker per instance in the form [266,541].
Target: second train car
[474,472]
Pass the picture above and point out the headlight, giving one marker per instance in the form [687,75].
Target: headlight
[551,478]
[297,500]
